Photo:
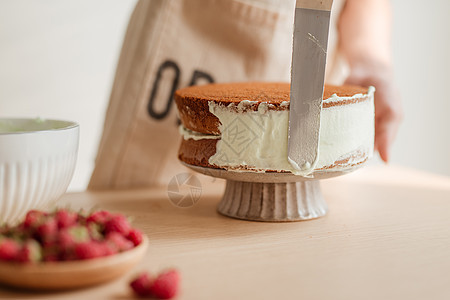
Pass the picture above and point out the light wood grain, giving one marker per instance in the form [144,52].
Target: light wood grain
[383,238]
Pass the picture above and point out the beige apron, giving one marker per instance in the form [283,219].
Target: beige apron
[172,44]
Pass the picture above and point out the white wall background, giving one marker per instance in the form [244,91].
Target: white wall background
[421,45]
[57,60]
[58,57]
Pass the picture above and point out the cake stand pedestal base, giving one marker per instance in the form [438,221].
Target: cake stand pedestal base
[273,202]
[271,197]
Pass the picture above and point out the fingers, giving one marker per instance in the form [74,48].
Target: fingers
[388,117]
[382,145]
[386,128]
[388,111]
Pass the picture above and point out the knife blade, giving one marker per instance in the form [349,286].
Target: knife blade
[309,52]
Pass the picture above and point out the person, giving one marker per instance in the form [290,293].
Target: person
[365,33]
[171,44]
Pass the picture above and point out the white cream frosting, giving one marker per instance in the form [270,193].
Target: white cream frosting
[193,135]
[257,140]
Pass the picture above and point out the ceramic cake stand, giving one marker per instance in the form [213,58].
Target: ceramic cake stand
[274,197]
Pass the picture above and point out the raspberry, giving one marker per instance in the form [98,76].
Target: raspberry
[119,241]
[99,217]
[30,252]
[118,223]
[141,285]
[135,236]
[9,249]
[65,218]
[48,230]
[88,250]
[166,284]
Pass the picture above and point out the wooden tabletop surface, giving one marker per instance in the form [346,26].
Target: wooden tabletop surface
[386,236]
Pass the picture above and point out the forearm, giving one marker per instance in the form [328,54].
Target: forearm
[365,35]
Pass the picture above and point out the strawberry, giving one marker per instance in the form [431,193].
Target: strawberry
[88,250]
[118,223]
[51,258]
[68,237]
[135,236]
[141,285]
[65,235]
[48,230]
[34,218]
[118,241]
[107,248]
[65,240]
[9,249]
[50,249]
[165,286]
[65,218]
[5,229]
[99,217]
[79,233]
[95,231]
[30,252]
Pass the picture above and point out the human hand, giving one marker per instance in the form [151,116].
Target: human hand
[365,33]
[388,107]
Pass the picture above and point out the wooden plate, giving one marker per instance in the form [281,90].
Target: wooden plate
[71,274]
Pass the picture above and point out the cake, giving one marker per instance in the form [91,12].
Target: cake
[243,127]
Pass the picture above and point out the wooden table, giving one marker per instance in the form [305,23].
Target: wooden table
[386,236]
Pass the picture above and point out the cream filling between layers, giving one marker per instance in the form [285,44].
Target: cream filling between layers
[257,140]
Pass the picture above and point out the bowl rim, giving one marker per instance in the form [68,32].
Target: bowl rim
[68,125]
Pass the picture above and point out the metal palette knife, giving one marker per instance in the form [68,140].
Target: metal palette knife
[311,26]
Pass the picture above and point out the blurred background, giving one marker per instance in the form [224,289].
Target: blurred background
[58,58]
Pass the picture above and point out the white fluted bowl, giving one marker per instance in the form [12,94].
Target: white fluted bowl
[37,161]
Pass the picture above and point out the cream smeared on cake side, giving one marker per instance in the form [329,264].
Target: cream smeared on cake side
[257,139]
[193,135]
